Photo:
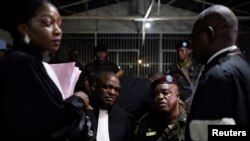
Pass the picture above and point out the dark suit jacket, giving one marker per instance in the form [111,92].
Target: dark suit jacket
[136,96]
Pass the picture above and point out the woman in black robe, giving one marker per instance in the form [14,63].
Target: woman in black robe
[32,106]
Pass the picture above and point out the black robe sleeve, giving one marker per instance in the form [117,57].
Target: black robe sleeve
[32,105]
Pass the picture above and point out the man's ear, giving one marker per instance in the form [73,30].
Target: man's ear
[211,34]
[23,29]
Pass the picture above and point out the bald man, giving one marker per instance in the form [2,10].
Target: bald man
[223,91]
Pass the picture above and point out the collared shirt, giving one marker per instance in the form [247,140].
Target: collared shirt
[103,126]
[220,52]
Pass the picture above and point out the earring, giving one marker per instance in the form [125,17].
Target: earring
[26,39]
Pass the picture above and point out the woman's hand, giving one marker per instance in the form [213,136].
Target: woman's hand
[85,99]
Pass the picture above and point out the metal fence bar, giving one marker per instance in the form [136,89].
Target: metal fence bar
[125,49]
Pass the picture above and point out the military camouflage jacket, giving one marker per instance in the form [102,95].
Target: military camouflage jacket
[152,128]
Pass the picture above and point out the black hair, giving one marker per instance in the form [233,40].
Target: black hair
[14,12]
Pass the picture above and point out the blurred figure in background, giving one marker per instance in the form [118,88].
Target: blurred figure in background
[186,71]
[54,58]
[73,57]
[136,96]
[100,64]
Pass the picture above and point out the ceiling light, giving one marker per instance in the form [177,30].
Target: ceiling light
[147,25]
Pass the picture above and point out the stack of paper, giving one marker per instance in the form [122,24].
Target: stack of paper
[67,75]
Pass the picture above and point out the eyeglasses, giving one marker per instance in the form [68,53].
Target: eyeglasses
[109,87]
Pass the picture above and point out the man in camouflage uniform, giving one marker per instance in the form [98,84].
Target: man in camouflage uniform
[168,122]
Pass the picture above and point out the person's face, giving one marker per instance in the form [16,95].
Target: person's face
[44,30]
[199,43]
[183,53]
[101,55]
[166,97]
[107,91]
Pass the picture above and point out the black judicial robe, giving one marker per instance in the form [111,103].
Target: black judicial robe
[223,91]
[32,108]
[121,123]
